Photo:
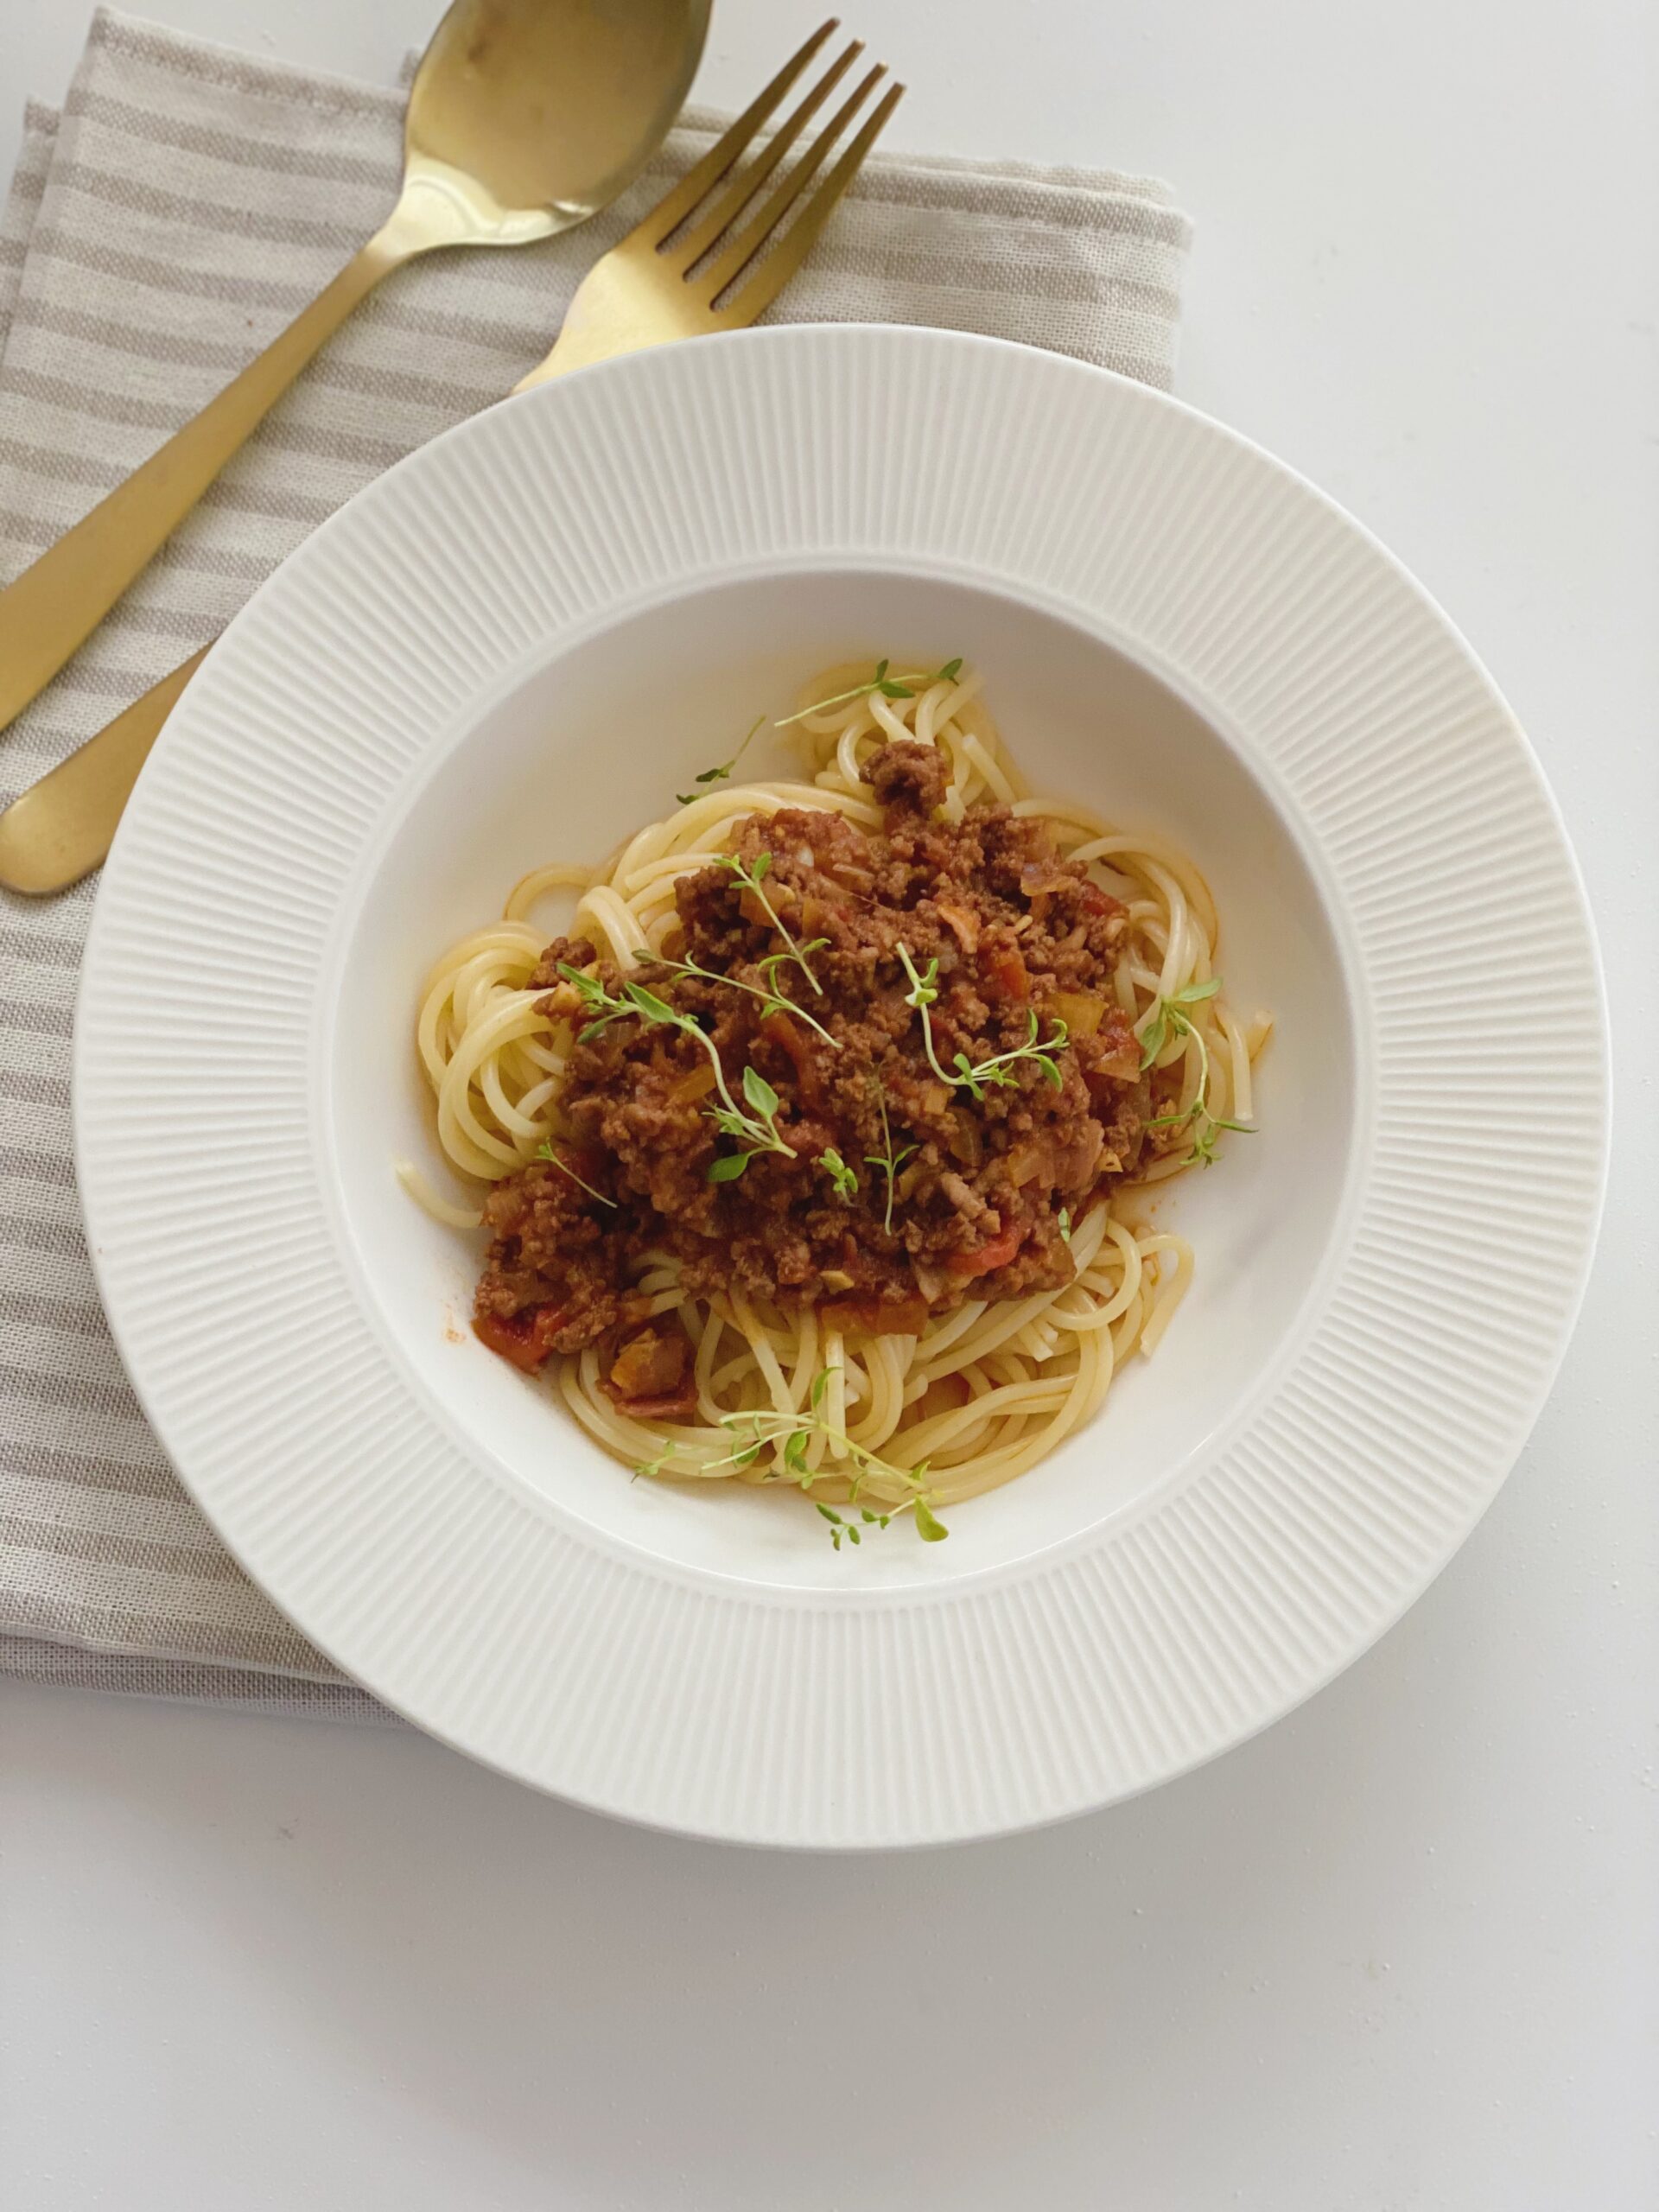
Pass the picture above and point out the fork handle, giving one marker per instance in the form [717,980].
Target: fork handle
[56,604]
[60,828]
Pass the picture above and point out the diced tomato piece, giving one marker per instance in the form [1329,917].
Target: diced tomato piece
[877,1317]
[997,1254]
[1002,972]
[524,1339]
[671,1405]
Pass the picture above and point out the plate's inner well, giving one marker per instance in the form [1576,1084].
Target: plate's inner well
[594,741]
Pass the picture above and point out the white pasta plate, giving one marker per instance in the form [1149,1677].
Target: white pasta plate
[517,647]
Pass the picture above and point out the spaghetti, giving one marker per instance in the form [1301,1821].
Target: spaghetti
[912,1412]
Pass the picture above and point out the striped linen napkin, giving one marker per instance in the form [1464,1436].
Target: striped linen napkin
[184,205]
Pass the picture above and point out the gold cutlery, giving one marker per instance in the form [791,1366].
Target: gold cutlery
[526,116]
[681,273]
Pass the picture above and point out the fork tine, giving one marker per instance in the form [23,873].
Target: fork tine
[739,250]
[723,155]
[760,290]
[689,250]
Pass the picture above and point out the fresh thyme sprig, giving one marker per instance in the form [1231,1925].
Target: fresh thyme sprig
[843,1178]
[544,1151]
[758,1131]
[603,1004]
[773,960]
[773,1000]
[795,1432]
[1169,1018]
[719,775]
[886,1161]
[736,1124]
[924,989]
[890,687]
[963,1073]
[999,1069]
[750,879]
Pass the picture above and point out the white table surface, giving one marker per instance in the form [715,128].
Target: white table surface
[1403,1950]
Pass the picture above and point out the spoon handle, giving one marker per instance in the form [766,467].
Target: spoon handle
[58,601]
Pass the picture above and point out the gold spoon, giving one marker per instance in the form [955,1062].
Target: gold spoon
[525,118]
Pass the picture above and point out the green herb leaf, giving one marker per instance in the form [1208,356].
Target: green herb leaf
[963,1074]
[597,1000]
[750,879]
[719,775]
[653,1009]
[759,1093]
[772,999]
[791,1435]
[892,687]
[1169,1018]
[1065,1224]
[762,1134]
[728,1166]
[923,990]
[930,1531]
[886,1160]
[844,1177]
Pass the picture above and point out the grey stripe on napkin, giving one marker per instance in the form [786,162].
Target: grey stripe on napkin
[184,206]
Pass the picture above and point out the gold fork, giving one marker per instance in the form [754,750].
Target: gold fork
[685,271]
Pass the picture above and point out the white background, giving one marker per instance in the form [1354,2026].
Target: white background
[1403,1951]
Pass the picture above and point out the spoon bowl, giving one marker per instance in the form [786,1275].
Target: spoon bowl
[534,114]
[525,118]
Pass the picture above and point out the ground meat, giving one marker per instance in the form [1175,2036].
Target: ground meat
[959,1187]
[908,777]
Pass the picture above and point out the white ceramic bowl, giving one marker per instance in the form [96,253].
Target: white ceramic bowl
[517,647]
